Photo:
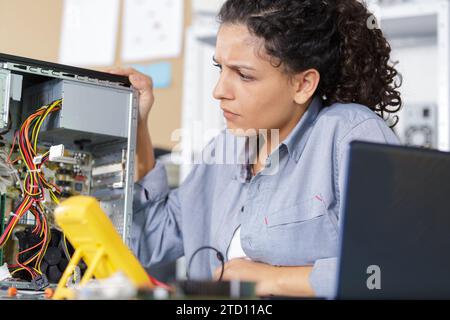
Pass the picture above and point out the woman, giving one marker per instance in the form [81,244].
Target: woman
[315,75]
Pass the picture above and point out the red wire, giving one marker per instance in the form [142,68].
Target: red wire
[160,284]
[38,221]
[16,217]
[12,147]
[25,267]
[38,254]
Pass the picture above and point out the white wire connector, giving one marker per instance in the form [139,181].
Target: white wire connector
[4,272]
[37,159]
[46,196]
[56,152]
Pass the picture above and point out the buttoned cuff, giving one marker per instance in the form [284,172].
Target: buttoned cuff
[323,277]
[152,187]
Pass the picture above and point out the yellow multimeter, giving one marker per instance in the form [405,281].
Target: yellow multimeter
[97,242]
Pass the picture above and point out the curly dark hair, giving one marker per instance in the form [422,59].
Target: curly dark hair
[334,37]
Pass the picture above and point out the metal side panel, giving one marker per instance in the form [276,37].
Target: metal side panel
[129,179]
[5,83]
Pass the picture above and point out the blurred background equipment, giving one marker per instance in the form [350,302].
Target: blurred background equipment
[419,34]
[419,125]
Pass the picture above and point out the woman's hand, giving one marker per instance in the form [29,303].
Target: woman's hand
[247,270]
[270,280]
[144,85]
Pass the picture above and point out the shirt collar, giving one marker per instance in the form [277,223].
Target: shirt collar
[295,142]
[297,139]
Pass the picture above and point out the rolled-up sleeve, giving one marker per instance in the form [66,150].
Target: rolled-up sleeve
[323,277]
[152,187]
[156,235]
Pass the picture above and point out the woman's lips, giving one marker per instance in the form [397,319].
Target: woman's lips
[229,115]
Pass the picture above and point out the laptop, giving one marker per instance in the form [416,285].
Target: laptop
[395,230]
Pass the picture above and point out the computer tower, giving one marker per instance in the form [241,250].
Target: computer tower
[93,130]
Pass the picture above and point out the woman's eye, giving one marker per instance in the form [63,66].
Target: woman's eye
[245,77]
[218,66]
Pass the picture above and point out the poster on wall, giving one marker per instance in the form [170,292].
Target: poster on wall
[152,29]
[89,32]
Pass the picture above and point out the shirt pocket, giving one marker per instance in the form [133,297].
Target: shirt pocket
[300,212]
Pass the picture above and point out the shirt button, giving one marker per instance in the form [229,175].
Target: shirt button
[242,209]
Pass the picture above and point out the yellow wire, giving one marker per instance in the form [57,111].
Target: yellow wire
[45,249]
[19,216]
[17,270]
[21,268]
[32,183]
[54,198]
[41,121]
[65,244]
[48,185]
[33,132]
[14,225]
[30,260]
[23,157]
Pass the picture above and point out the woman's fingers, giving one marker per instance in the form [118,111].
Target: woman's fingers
[143,84]
[139,80]
[122,71]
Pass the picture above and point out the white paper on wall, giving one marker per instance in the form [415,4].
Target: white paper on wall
[89,32]
[152,29]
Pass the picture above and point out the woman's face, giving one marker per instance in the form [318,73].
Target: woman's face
[253,93]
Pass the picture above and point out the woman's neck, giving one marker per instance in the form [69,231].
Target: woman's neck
[272,142]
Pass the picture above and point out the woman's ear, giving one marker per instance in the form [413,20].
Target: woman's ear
[305,85]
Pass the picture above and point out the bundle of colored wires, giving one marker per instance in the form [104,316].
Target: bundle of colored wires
[34,186]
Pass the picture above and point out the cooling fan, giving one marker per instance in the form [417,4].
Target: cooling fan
[55,259]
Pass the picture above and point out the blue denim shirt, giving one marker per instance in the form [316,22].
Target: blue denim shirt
[287,218]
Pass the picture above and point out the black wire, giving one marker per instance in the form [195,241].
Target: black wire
[219,256]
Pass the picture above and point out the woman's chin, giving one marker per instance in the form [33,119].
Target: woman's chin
[241,132]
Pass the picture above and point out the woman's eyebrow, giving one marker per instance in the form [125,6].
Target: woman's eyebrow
[235,66]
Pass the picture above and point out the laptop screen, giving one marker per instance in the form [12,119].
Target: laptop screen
[395,237]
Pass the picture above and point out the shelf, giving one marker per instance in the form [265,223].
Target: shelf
[422,27]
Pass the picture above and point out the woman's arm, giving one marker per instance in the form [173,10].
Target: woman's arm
[145,156]
[270,280]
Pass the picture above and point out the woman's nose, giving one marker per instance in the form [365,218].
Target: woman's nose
[222,89]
